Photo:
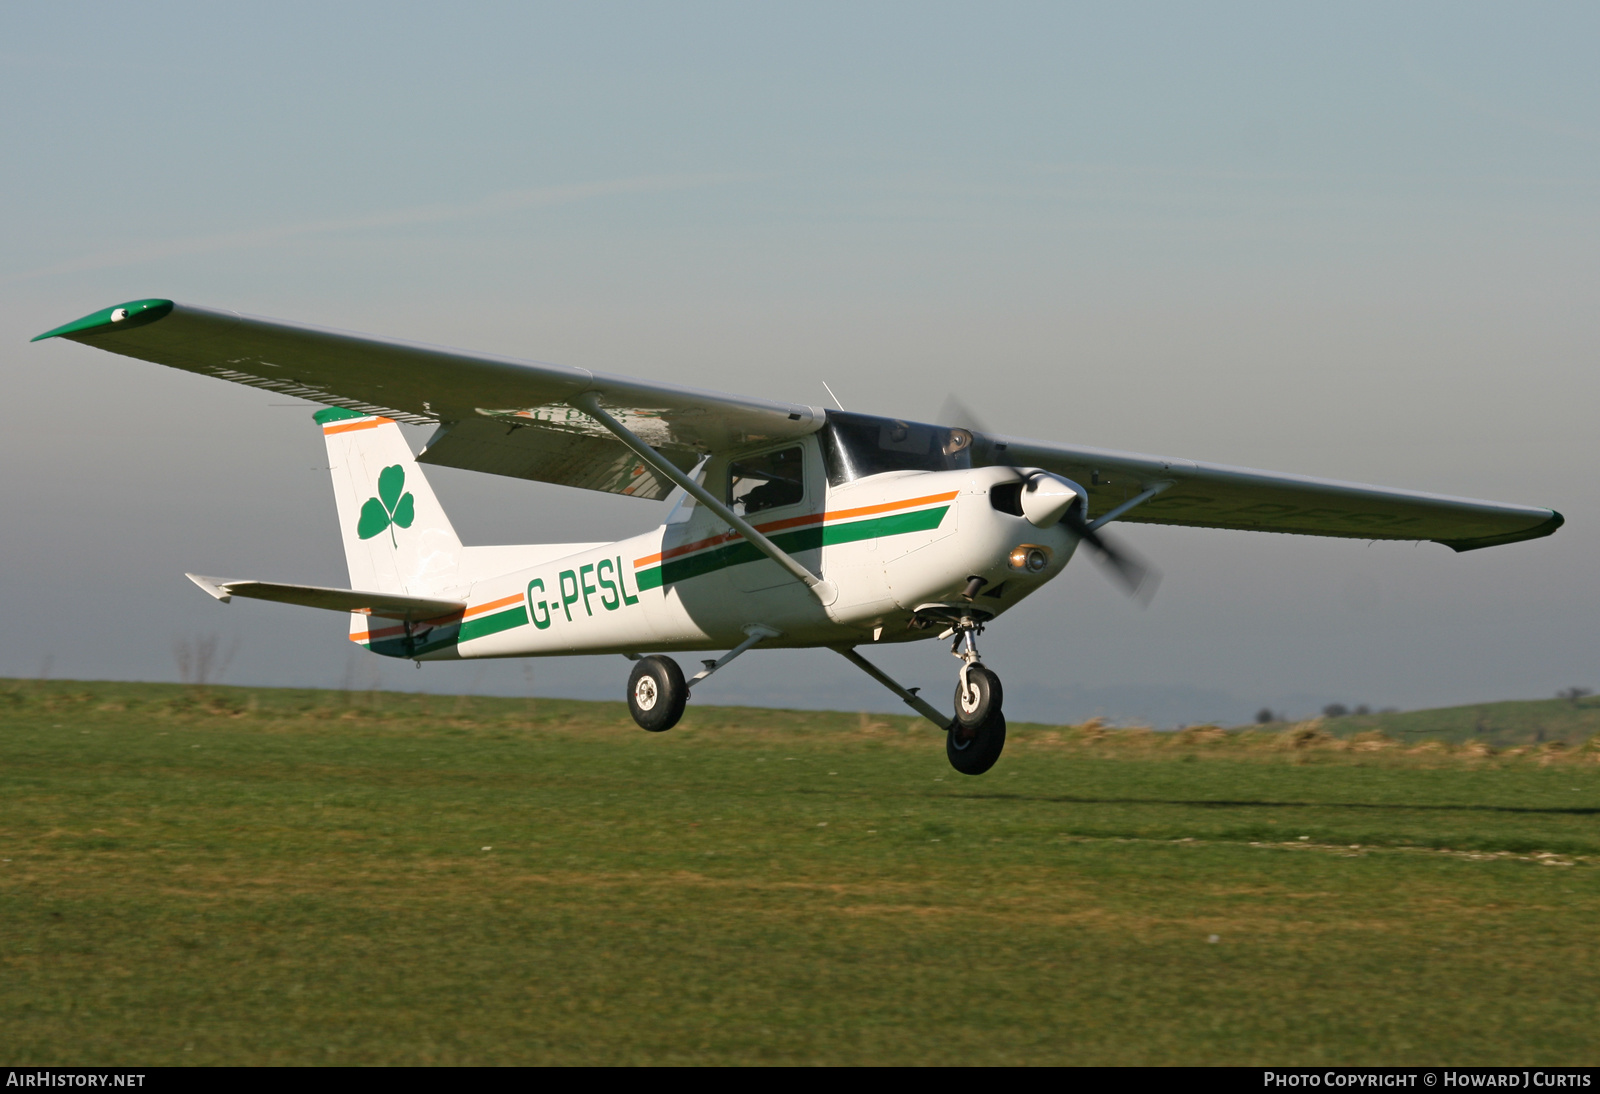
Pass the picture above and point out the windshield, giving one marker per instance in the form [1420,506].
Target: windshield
[857,445]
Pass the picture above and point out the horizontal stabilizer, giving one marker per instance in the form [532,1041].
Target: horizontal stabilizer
[383,605]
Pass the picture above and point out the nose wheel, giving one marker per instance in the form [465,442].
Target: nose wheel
[978,695]
[976,737]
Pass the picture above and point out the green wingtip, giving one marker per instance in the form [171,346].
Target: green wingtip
[135,313]
[331,414]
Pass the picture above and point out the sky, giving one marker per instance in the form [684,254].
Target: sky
[1357,241]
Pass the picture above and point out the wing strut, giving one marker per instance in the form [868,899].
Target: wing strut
[1138,499]
[824,591]
[908,696]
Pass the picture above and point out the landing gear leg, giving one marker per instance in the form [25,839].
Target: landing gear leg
[908,696]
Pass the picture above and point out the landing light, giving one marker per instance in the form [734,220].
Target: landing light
[1029,558]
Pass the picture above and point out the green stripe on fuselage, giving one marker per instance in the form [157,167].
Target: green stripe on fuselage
[801,539]
[480,626]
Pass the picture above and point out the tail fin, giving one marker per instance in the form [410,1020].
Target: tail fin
[396,537]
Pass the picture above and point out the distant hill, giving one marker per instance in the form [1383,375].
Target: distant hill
[1502,725]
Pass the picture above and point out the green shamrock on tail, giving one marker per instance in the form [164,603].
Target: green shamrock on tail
[389,508]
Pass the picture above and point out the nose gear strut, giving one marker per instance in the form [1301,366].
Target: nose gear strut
[978,693]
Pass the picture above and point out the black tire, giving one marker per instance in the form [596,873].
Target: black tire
[656,693]
[974,750]
[980,698]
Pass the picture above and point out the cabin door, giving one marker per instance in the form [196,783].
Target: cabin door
[780,491]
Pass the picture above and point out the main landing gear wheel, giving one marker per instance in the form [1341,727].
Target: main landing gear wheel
[974,749]
[656,693]
[978,695]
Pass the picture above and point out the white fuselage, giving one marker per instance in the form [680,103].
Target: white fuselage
[889,544]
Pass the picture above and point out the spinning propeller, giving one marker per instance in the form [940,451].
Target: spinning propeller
[1137,578]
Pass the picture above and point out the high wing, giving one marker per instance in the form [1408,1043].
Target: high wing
[1207,495]
[496,414]
[512,417]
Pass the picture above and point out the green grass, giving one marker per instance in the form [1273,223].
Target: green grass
[275,876]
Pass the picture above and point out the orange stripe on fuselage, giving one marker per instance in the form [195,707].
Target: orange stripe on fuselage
[346,427]
[795,522]
[479,609]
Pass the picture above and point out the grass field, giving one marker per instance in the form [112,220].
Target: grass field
[275,876]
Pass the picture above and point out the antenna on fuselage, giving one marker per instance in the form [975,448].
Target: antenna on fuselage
[832,396]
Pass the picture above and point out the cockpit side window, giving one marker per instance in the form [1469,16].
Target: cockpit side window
[769,480]
[857,445]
